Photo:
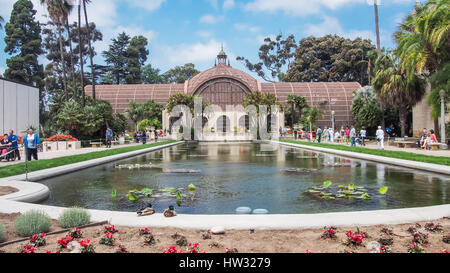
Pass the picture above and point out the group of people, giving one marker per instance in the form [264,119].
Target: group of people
[348,135]
[142,136]
[428,137]
[9,146]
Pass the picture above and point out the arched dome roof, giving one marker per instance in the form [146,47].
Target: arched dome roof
[221,71]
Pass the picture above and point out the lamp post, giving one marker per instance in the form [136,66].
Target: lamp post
[332,124]
[442,94]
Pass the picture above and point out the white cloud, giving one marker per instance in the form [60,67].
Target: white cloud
[228,4]
[245,27]
[149,5]
[331,25]
[308,7]
[211,19]
[196,53]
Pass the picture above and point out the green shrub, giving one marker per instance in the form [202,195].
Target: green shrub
[2,233]
[32,222]
[74,217]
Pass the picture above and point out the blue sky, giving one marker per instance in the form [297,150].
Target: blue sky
[182,31]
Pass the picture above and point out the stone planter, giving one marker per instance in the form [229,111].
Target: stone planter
[121,140]
[54,146]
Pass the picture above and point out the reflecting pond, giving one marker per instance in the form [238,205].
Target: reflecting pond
[231,175]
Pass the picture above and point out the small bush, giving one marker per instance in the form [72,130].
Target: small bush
[2,233]
[32,222]
[74,217]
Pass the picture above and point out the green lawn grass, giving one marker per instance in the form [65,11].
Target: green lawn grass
[441,160]
[19,168]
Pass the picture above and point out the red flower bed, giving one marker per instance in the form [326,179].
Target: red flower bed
[61,138]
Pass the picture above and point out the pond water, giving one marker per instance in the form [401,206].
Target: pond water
[231,175]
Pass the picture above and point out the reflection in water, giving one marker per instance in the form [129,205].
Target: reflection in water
[232,175]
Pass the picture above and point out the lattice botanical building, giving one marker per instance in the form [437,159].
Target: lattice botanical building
[224,85]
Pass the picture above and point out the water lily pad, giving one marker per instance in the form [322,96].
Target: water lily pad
[366,196]
[191,187]
[327,184]
[383,190]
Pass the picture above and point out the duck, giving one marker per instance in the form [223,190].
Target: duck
[148,210]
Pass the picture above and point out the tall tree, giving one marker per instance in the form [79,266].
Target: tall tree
[23,41]
[297,104]
[180,74]
[274,55]
[80,51]
[91,51]
[330,59]
[424,40]
[1,22]
[151,75]
[117,57]
[137,55]
[397,89]
[311,115]
[377,27]
[366,108]
[57,15]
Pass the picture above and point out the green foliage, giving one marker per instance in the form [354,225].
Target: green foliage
[150,111]
[383,190]
[274,55]
[297,103]
[96,116]
[137,55]
[152,75]
[32,222]
[74,217]
[366,108]
[440,81]
[2,233]
[260,99]
[441,160]
[42,164]
[23,42]
[117,57]
[330,59]
[180,74]
[311,115]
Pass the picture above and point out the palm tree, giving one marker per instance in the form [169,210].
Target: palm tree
[1,21]
[91,52]
[312,114]
[56,14]
[424,40]
[395,88]
[377,25]
[297,103]
[80,47]
[66,8]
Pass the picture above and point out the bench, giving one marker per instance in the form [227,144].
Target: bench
[96,144]
[405,144]
[435,146]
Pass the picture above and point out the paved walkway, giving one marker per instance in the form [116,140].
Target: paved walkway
[56,154]
[395,148]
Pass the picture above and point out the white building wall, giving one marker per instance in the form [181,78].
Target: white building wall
[19,107]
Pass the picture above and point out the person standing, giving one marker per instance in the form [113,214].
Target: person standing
[342,134]
[347,135]
[295,134]
[15,143]
[353,136]
[380,138]
[326,134]
[319,134]
[31,141]
[156,135]
[109,136]
[363,134]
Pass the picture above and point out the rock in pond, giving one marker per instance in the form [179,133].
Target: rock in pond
[243,210]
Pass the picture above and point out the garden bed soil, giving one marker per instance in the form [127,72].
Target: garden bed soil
[5,190]
[261,241]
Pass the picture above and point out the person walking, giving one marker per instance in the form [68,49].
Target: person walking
[15,143]
[380,138]
[31,141]
[353,136]
[319,134]
[347,135]
[109,136]
[342,134]
[295,134]
[144,137]
[363,134]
